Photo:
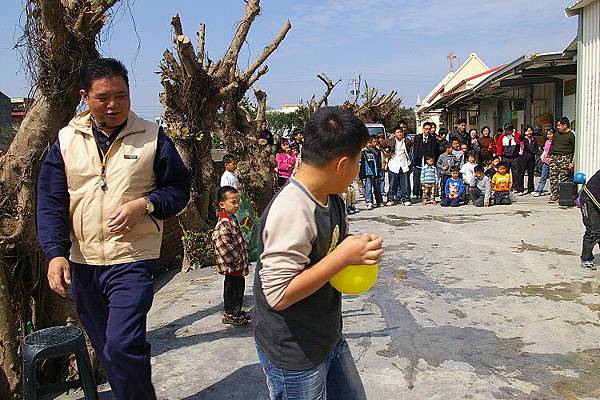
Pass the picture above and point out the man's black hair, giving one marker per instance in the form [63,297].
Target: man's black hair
[478,168]
[402,122]
[332,132]
[564,121]
[222,192]
[101,68]
[227,158]
[499,130]
[427,124]
[461,121]
[509,127]
[443,131]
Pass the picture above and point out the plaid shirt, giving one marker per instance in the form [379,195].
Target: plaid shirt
[231,250]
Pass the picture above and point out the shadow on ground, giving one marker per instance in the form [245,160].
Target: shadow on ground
[247,382]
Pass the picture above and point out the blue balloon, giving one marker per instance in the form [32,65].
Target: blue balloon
[579,178]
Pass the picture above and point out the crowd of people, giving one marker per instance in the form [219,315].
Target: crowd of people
[463,167]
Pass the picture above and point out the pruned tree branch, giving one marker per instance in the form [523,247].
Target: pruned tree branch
[330,86]
[201,43]
[267,51]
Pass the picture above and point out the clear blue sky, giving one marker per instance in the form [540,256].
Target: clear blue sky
[395,44]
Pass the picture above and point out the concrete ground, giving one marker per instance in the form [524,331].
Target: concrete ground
[471,303]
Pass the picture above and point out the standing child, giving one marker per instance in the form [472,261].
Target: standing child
[480,189]
[491,170]
[458,153]
[502,183]
[445,163]
[429,179]
[454,189]
[467,172]
[298,314]
[229,178]
[590,215]
[545,163]
[286,162]
[370,172]
[231,254]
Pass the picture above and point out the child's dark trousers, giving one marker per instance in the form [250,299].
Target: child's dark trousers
[233,294]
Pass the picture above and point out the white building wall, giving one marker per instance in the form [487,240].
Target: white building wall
[588,90]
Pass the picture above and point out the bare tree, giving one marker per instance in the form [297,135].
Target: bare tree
[306,111]
[377,108]
[59,39]
[196,88]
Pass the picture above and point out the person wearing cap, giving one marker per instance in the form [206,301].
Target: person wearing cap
[105,186]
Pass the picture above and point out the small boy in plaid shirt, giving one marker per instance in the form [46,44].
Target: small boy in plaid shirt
[231,254]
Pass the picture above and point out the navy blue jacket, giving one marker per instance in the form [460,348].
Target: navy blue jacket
[172,193]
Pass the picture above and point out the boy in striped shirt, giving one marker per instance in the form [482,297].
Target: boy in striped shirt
[429,177]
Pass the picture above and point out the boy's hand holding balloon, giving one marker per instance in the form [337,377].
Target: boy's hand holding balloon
[363,254]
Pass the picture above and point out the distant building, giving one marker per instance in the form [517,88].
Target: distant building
[19,109]
[587,127]
[288,108]
[5,108]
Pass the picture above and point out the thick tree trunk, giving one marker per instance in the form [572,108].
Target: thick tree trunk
[9,379]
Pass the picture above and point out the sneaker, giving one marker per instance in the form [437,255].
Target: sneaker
[233,320]
[369,206]
[552,200]
[390,203]
[588,265]
[407,203]
[536,194]
[525,193]
[379,205]
[433,202]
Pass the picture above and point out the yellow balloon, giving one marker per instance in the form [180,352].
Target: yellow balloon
[355,279]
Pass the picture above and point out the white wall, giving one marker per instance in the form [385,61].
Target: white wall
[588,92]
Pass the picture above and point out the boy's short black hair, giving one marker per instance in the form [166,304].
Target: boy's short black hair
[227,158]
[502,164]
[447,146]
[332,132]
[564,121]
[222,192]
[103,68]
[456,140]
[454,169]
[429,158]
[478,168]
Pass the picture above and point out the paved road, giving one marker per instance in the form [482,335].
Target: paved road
[470,304]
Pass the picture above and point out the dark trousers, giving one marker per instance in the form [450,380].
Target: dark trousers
[448,202]
[525,165]
[417,183]
[233,294]
[502,198]
[591,219]
[112,302]
[513,166]
[443,181]
[398,186]
[477,197]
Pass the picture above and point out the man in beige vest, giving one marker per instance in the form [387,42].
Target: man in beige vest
[104,188]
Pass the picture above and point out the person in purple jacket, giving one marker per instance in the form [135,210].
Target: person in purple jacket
[104,188]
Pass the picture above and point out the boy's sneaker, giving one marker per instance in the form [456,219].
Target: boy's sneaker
[588,265]
[390,203]
[369,206]
[233,320]
[525,193]
[407,203]
[536,194]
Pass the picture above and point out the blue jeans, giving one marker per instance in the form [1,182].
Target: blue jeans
[398,186]
[372,185]
[336,378]
[544,178]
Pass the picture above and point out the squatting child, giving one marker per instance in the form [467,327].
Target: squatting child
[231,254]
[455,187]
[502,183]
[480,189]
[298,320]
[429,178]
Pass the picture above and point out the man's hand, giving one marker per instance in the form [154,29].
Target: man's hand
[364,249]
[126,216]
[58,275]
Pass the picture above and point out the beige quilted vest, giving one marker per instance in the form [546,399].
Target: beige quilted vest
[129,175]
